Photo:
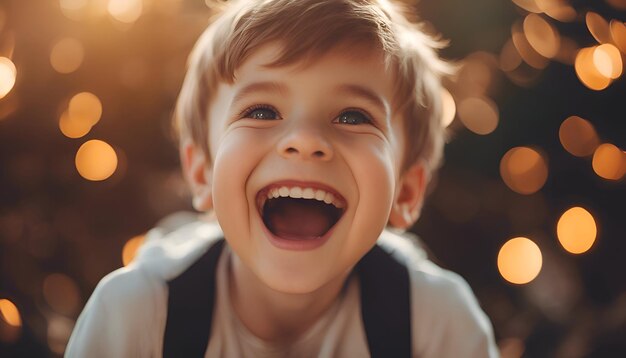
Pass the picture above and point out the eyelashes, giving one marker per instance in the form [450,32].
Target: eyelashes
[348,116]
[261,112]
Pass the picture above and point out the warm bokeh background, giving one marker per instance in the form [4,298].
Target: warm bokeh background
[539,131]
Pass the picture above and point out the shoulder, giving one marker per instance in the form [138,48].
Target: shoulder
[131,298]
[446,317]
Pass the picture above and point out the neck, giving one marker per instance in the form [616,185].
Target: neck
[277,316]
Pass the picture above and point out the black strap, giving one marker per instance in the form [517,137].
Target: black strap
[190,307]
[385,306]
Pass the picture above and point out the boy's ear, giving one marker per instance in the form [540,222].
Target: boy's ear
[198,174]
[409,197]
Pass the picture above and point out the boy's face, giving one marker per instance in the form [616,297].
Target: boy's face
[329,127]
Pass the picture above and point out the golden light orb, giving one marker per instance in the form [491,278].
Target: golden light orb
[61,293]
[587,71]
[578,136]
[479,114]
[85,107]
[608,61]
[524,170]
[8,74]
[541,35]
[510,59]
[526,51]
[519,260]
[96,160]
[9,313]
[609,162]
[576,230]
[598,27]
[130,249]
[127,11]
[67,55]
[73,128]
[618,33]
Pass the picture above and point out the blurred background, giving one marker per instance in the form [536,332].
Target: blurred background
[529,206]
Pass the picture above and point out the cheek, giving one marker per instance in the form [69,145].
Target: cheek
[372,164]
[238,154]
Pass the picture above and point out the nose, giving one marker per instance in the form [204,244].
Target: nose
[306,143]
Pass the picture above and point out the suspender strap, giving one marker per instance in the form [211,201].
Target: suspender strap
[385,304]
[190,307]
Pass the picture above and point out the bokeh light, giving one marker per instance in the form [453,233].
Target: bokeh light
[10,322]
[618,4]
[59,331]
[9,313]
[608,61]
[479,114]
[557,9]
[519,260]
[576,230]
[509,57]
[73,9]
[618,33]
[598,27]
[528,5]
[67,55]
[130,249]
[85,107]
[587,72]
[526,51]
[609,162]
[578,136]
[541,35]
[61,293]
[127,11]
[73,128]
[523,170]
[8,73]
[449,108]
[96,160]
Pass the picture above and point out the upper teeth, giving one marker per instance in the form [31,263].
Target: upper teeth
[297,192]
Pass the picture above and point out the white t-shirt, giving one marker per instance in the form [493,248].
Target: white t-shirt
[126,314]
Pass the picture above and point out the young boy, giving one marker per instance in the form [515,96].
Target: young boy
[307,127]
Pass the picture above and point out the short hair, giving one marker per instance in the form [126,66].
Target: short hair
[308,29]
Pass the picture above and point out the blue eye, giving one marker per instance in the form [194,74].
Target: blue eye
[260,112]
[353,117]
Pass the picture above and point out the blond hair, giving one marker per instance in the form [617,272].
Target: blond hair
[310,28]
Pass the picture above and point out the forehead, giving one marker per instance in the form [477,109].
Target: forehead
[343,65]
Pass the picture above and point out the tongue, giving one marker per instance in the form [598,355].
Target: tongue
[298,219]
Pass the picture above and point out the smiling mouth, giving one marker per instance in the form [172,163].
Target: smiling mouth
[297,213]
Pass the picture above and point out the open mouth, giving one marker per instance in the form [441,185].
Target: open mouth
[299,213]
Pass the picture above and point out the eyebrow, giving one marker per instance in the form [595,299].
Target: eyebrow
[365,93]
[270,86]
[280,88]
